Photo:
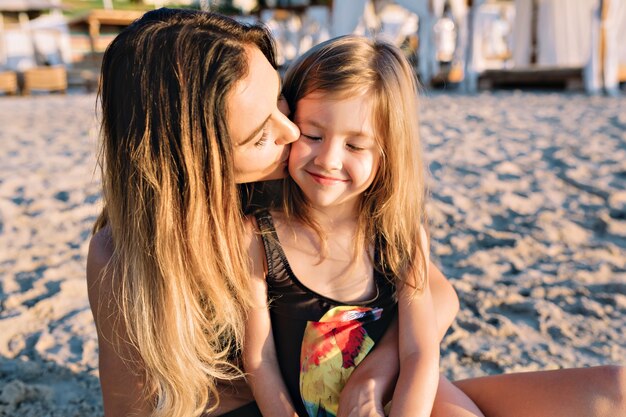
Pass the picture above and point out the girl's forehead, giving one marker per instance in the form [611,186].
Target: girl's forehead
[350,116]
[346,93]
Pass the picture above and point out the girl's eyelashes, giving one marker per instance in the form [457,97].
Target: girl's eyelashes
[263,140]
[350,146]
[354,147]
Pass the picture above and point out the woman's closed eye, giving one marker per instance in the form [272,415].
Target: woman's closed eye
[264,136]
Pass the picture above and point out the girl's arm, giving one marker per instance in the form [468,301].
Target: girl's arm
[371,386]
[259,353]
[122,388]
[418,351]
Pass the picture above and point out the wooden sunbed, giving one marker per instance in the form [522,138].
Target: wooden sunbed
[46,79]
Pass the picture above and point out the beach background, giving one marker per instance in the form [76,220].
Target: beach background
[528,221]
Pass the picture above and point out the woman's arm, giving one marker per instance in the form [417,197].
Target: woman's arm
[259,353]
[122,389]
[418,348]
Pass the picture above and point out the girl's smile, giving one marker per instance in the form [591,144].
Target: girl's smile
[325,179]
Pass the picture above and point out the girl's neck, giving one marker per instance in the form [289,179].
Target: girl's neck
[335,220]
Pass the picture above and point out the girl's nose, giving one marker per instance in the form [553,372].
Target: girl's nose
[329,156]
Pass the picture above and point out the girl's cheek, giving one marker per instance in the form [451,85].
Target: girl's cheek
[283,106]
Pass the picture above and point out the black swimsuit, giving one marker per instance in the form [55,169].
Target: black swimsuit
[248,410]
[319,341]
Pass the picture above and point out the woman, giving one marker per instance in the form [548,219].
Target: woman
[189,109]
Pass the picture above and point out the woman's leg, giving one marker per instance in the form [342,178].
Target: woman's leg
[584,392]
[445,300]
[452,402]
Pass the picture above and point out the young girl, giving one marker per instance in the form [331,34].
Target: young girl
[348,251]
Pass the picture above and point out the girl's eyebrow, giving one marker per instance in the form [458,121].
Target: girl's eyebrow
[353,133]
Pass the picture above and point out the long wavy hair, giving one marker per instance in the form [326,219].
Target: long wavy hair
[171,202]
[392,210]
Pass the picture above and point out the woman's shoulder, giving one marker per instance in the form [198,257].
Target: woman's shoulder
[98,257]
[101,246]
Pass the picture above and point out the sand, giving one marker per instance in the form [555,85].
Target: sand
[528,218]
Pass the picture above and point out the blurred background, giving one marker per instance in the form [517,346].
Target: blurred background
[53,45]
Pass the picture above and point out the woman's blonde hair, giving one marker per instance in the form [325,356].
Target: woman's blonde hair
[170,200]
[392,209]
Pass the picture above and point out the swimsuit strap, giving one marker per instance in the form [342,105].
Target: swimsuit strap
[274,254]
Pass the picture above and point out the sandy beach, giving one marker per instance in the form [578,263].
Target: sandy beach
[528,220]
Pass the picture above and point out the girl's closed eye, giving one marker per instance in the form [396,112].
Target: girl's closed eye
[360,144]
[354,147]
[311,137]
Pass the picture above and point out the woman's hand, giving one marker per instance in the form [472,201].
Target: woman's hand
[364,400]
[371,386]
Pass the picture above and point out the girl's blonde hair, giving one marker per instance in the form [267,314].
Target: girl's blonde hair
[392,209]
[179,272]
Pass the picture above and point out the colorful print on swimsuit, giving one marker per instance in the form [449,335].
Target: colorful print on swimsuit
[331,350]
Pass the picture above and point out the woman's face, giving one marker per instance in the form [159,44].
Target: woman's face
[260,131]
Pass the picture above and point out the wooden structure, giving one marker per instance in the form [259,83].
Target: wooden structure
[45,79]
[19,15]
[94,21]
[8,82]
[569,78]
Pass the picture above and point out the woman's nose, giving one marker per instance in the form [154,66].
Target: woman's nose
[287,131]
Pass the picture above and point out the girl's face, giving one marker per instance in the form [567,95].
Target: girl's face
[260,131]
[337,157]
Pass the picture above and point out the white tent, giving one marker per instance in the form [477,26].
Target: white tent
[615,51]
[569,33]
[349,16]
